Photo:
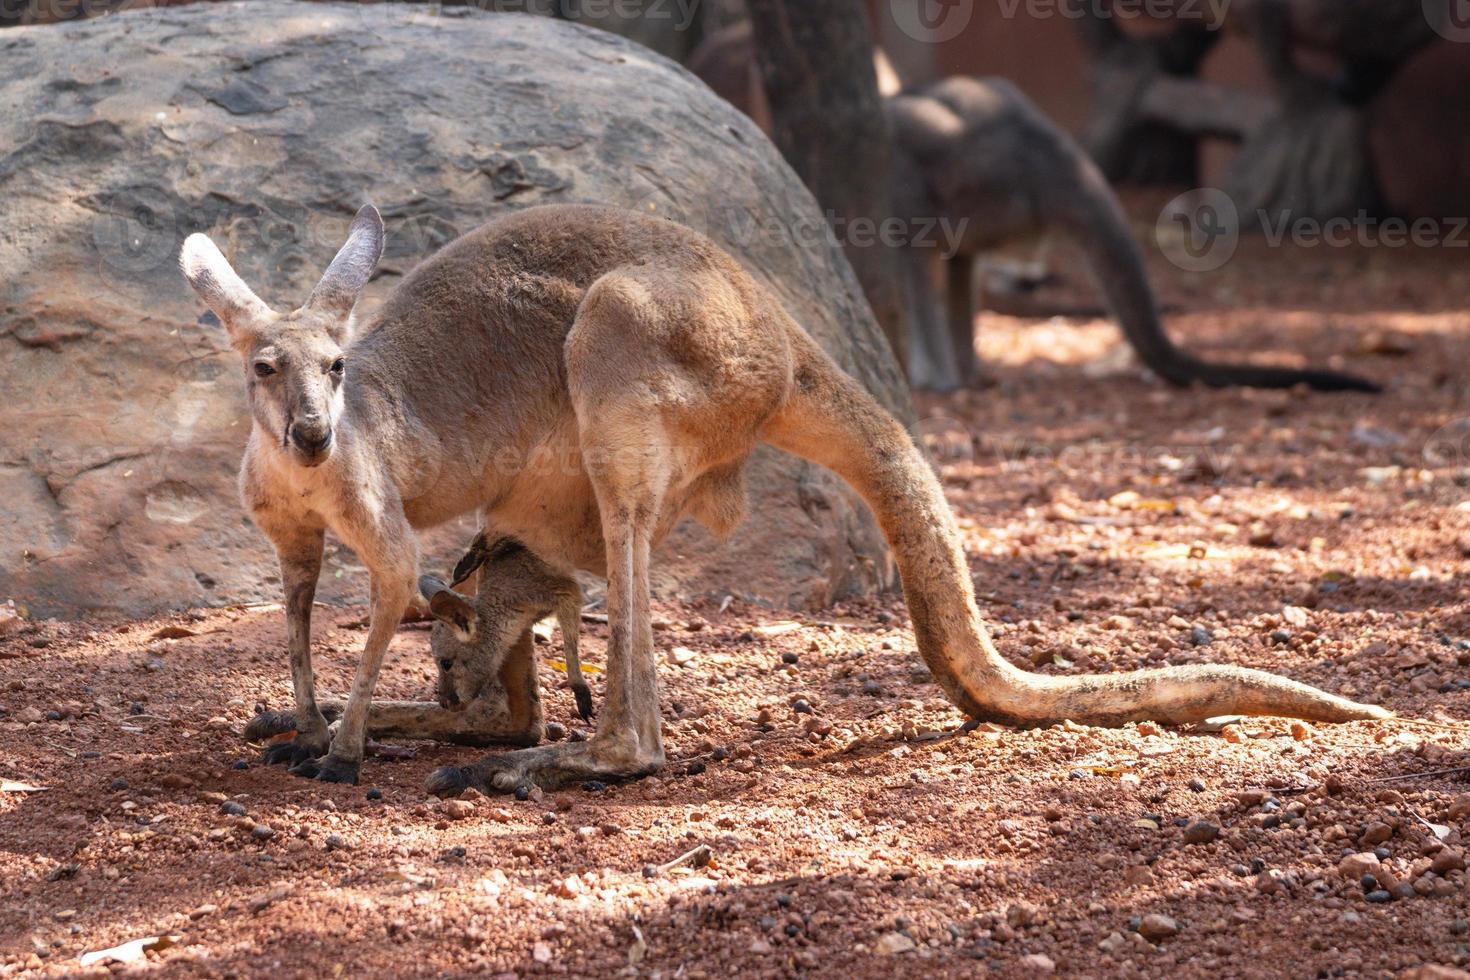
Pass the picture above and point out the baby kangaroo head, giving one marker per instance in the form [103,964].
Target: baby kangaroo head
[295,363]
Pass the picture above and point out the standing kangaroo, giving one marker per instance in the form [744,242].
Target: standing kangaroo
[979,155]
[587,376]
[978,152]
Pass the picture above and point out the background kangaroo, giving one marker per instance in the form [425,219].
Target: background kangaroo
[979,154]
[587,376]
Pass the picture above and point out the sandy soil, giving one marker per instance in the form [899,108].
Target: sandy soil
[1110,523]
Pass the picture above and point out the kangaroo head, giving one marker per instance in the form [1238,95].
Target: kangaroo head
[295,363]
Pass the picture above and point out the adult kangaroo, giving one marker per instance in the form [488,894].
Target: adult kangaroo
[586,376]
[980,153]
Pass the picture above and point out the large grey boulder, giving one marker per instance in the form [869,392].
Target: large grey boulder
[267,124]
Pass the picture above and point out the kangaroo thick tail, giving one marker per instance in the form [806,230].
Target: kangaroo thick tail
[1089,213]
[832,421]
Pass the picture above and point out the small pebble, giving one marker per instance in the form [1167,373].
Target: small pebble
[555,731]
[119,783]
[1155,927]
[1379,896]
[375,794]
[523,793]
[801,706]
[240,764]
[789,657]
[694,769]
[1200,637]
[594,786]
[262,832]
[232,809]
[1201,832]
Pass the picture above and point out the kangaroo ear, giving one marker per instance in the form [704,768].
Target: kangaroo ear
[478,554]
[349,272]
[449,607]
[224,292]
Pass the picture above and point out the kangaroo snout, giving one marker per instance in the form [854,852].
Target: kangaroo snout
[312,436]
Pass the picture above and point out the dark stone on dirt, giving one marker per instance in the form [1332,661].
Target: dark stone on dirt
[694,769]
[594,786]
[443,124]
[262,832]
[801,706]
[789,657]
[119,783]
[1200,637]
[523,793]
[232,809]
[1378,896]
[577,735]
[1197,785]
[555,731]
[1368,883]
[1382,853]
[375,794]
[240,765]
[1201,832]
[335,842]
[1258,865]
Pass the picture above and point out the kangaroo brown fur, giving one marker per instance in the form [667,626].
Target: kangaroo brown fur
[585,376]
[515,590]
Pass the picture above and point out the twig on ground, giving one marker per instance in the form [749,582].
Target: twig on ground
[697,858]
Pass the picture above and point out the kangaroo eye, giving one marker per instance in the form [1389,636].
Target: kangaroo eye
[338,366]
[264,369]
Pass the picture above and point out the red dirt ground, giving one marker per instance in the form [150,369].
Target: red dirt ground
[1106,518]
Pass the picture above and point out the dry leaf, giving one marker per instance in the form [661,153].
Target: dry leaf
[1439,830]
[560,665]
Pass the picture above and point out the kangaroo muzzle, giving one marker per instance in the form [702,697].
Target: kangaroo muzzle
[312,438]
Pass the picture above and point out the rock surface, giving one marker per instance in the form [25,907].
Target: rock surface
[267,125]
